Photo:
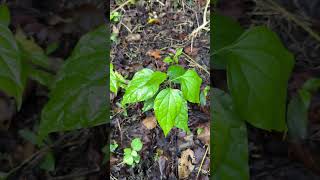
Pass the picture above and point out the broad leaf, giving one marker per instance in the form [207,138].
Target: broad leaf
[4,15]
[229,140]
[144,85]
[170,109]
[225,32]
[258,68]
[175,71]
[12,75]
[190,85]
[136,144]
[78,97]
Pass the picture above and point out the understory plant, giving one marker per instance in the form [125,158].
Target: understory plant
[258,68]
[77,97]
[157,91]
[131,155]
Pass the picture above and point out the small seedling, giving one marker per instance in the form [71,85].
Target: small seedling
[113,146]
[131,156]
[115,17]
[173,58]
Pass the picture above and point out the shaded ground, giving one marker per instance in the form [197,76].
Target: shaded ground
[77,154]
[273,156]
[135,47]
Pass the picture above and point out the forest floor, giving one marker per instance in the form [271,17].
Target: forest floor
[140,43]
[274,155]
[75,154]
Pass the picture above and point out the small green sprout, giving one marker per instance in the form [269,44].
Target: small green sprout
[115,17]
[131,156]
[173,58]
[113,146]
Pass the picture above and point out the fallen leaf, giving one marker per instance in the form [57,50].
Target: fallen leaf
[150,122]
[154,53]
[153,21]
[204,136]
[185,166]
[133,37]
[194,51]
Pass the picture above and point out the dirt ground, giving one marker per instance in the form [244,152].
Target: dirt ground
[136,44]
[271,155]
[77,154]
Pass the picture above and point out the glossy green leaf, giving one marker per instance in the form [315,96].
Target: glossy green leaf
[128,159]
[190,85]
[175,71]
[258,70]
[4,15]
[12,75]
[136,144]
[225,32]
[144,85]
[170,109]
[229,140]
[78,96]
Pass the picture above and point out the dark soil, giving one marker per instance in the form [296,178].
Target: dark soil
[77,154]
[274,155]
[131,52]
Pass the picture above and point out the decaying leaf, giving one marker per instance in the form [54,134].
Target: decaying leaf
[185,166]
[204,136]
[133,37]
[150,122]
[155,53]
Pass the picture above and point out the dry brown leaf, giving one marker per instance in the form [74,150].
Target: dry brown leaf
[204,136]
[133,37]
[194,51]
[150,122]
[154,53]
[185,166]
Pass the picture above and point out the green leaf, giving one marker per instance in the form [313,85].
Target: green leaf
[229,145]
[297,119]
[203,96]
[128,159]
[225,32]
[181,121]
[4,15]
[170,109]
[297,115]
[113,80]
[177,55]
[168,60]
[127,151]
[136,159]
[190,85]
[48,163]
[144,85]
[136,144]
[175,71]
[31,52]
[113,147]
[52,48]
[12,75]
[78,97]
[258,69]
[147,105]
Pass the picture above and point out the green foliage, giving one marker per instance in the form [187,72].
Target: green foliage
[173,58]
[4,15]
[78,98]
[144,85]
[131,156]
[115,17]
[230,144]
[116,80]
[113,146]
[170,105]
[258,68]
[203,95]
[297,114]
